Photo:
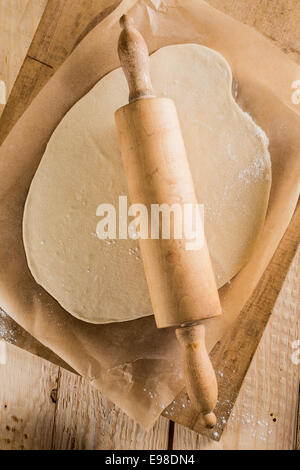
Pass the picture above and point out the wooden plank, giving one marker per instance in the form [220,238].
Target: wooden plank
[62,26]
[297,445]
[232,355]
[45,407]
[86,420]
[234,5]
[18,22]
[26,409]
[265,414]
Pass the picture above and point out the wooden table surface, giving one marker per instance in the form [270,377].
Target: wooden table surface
[43,406]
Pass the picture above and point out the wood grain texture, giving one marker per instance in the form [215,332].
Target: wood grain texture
[278,20]
[18,21]
[26,409]
[265,414]
[63,26]
[232,355]
[298,423]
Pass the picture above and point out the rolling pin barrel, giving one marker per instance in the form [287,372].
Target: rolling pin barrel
[181,281]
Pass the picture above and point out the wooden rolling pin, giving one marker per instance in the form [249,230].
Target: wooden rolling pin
[181,283]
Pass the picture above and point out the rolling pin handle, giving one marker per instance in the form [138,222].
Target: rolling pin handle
[134,58]
[200,378]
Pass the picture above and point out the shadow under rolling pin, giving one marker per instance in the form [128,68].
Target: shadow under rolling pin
[181,283]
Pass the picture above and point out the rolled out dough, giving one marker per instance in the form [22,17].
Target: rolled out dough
[103,281]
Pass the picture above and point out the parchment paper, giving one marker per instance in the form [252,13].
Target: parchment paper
[134,364]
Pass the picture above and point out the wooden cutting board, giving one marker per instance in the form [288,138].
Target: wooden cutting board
[61,27]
